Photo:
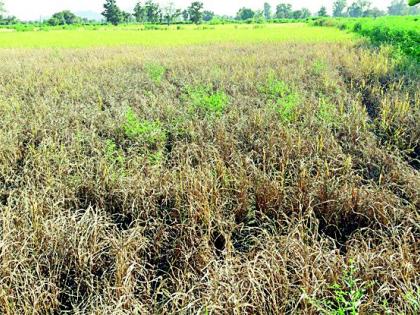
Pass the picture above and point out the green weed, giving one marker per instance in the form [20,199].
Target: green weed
[115,158]
[156,72]
[413,300]
[112,154]
[148,131]
[155,157]
[327,113]
[203,98]
[283,97]
[287,107]
[319,67]
[346,298]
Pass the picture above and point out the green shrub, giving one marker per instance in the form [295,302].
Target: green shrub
[342,26]
[151,27]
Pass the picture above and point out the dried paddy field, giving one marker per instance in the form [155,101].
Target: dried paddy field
[234,178]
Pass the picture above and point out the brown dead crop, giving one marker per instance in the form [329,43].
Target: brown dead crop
[225,179]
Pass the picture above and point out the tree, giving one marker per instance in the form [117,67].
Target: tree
[9,20]
[64,18]
[267,11]
[126,17]
[413,2]
[195,12]
[354,10]
[374,12]
[305,13]
[301,14]
[284,11]
[414,10]
[208,15]
[170,13]
[259,16]
[323,12]
[338,8]
[54,21]
[358,8]
[297,14]
[112,12]
[2,9]
[185,15]
[398,7]
[139,12]
[152,12]
[245,14]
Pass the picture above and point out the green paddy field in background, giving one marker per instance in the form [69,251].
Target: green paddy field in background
[171,36]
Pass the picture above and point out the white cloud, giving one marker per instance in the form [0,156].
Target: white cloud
[34,9]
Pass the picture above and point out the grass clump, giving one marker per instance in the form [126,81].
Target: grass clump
[413,300]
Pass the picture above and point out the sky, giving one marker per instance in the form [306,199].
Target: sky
[34,9]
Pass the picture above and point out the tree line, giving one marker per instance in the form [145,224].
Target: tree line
[363,8]
[151,12]
[6,19]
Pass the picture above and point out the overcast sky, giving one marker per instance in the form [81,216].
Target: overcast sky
[34,9]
